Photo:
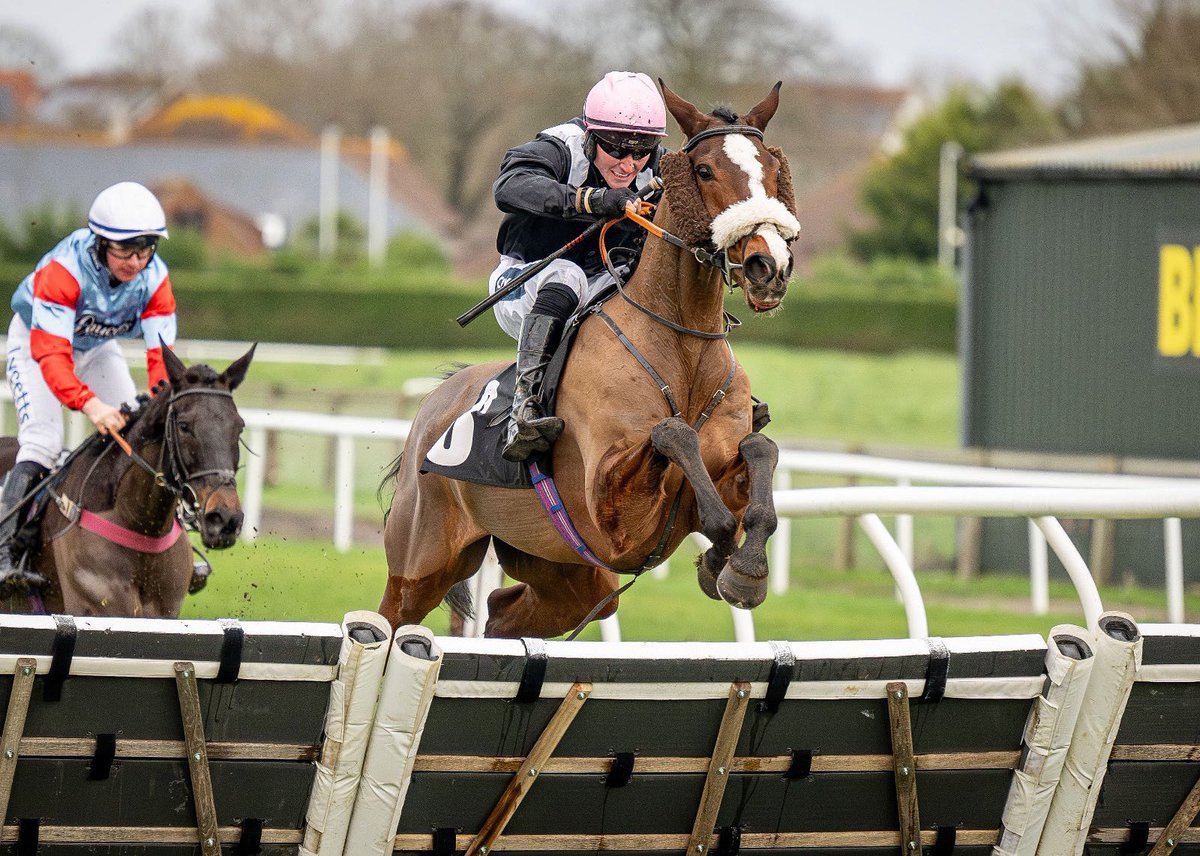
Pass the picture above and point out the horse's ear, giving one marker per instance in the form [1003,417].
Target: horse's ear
[174,365]
[764,110]
[236,373]
[689,118]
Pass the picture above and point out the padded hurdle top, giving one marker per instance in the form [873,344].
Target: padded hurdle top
[636,761]
[98,725]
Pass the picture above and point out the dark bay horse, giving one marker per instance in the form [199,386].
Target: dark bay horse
[629,454]
[185,449]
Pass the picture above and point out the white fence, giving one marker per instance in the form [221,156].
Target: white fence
[979,491]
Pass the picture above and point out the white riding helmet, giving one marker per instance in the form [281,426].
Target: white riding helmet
[127,210]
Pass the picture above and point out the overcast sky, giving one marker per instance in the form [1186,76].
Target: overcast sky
[895,40]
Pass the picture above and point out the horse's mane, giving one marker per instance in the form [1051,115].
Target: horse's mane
[143,425]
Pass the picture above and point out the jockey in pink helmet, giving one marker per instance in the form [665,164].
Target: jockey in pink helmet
[551,189]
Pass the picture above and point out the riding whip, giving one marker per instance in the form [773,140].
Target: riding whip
[523,277]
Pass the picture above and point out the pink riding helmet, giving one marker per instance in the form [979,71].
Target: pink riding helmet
[627,102]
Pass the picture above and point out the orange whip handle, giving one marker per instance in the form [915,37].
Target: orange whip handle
[121,442]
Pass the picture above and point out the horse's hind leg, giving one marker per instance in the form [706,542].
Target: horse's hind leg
[550,599]
[431,544]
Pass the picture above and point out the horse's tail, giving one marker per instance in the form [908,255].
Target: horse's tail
[389,476]
[460,601]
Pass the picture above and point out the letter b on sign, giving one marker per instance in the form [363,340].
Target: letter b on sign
[1178,318]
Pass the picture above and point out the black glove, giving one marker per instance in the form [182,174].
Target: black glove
[603,201]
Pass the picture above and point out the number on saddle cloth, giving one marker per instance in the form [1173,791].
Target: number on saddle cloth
[469,450]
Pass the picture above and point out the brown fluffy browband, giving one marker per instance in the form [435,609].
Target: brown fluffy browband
[690,219]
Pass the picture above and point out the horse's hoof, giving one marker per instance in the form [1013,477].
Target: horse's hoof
[740,590]
[706,576]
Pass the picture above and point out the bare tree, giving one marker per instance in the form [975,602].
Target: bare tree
[701,47]
[1150,75]
[161,52]
[22,48]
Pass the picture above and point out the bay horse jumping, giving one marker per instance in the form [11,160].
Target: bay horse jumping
[648,455]
[109,542]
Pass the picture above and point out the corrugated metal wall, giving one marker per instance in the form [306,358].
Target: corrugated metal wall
[1059,336]
[1061,339]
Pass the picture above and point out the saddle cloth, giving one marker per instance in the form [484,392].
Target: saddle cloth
[469,450]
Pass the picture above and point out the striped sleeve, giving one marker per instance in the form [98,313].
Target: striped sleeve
[158,320]
[55,296]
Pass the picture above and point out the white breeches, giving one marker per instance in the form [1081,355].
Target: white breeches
[511,311]
[39,413]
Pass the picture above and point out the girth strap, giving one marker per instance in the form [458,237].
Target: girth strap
[110,531]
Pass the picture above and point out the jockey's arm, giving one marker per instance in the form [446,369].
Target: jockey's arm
[533,180]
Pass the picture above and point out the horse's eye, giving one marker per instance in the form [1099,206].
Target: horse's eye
[184,428]
[704,171]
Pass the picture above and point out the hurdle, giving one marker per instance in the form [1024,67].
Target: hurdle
[159,738]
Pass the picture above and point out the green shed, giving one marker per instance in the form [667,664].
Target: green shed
[1080,318]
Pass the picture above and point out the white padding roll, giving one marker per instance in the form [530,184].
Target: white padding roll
[1118,647]
[352,699]
[404,701]
[1047,736]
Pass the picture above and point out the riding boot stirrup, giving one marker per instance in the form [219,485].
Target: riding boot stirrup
[529,429]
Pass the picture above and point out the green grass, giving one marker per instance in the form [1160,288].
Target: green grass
[300,580]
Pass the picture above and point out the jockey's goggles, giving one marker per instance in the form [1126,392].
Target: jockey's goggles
[142,248]
[636,146]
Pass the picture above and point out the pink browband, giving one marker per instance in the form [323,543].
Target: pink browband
[110,531]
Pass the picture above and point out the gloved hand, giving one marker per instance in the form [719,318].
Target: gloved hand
[603,201]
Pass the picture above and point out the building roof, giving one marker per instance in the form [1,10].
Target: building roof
[1164,151]
[258,181]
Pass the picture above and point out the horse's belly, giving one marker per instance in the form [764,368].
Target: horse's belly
[518,519]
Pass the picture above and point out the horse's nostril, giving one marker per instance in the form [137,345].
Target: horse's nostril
[760,267]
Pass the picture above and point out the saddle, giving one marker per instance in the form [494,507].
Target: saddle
[469,450]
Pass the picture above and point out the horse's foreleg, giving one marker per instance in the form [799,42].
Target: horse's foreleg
[743,581]
[679,443]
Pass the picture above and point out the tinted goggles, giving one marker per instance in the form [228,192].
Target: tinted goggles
[620,148]
[141,247]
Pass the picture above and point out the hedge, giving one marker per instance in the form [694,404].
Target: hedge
[878,320]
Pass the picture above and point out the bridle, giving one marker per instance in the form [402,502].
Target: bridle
[705,254]
[171,473]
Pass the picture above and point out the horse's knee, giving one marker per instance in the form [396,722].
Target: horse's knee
[674,438]
[759,448]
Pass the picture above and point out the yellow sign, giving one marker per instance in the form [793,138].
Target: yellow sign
[1178,300]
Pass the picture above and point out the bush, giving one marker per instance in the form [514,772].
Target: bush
[184,250]
[417,251]
[351,238]
[37,232]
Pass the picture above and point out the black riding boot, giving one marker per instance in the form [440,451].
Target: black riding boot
[22,479]
[529,429]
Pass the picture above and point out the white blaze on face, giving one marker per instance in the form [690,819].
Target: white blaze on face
[775,224]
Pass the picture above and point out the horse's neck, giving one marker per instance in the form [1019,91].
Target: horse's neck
[671,282]
[141,503]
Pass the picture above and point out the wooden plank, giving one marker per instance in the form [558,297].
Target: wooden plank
[1183,819]
[773,764]
[1120,835]
[144,835]
[677,842]
[530,768]
[906,768]
[718,767]
[14,726]
[197,758]
[1156,752]
[80,747]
